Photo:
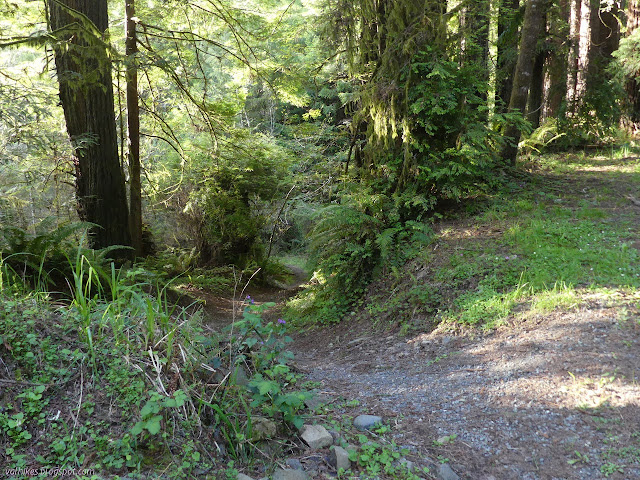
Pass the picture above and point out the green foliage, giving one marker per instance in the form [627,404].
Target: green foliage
[228,207]
[39,256]
[597,118]
[142,359]
[377,457]
[627,63]
[352,243]
[452,146]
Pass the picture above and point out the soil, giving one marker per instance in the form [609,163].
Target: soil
[552,396]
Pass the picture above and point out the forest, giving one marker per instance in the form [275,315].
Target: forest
[232,232]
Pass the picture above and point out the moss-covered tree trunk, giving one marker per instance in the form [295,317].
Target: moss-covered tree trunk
[531,30]
[86,94]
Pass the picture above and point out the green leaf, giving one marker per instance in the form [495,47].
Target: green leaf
[137,429]
[153,424]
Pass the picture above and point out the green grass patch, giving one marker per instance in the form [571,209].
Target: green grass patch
[551,250]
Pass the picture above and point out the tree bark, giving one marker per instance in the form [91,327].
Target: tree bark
[86,94]
[507,52]
[133,129]
[534,107]
[555,83]
[632,86]
[531,30]
[574,53]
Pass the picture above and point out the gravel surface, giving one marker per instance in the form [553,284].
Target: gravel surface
[522,400]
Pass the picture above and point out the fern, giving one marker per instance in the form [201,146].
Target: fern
[353,242]
[37,257]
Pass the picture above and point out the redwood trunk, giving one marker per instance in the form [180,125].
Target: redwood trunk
[632,87]
[86,94]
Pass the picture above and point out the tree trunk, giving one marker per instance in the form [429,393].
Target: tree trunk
[531,30]
[555,83]
[574,53]
[86,94]
[632,86]
[534,107]
[133,128]
[507,51]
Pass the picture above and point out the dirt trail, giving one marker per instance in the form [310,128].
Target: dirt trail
[522,400]
[221,309]
[552,397]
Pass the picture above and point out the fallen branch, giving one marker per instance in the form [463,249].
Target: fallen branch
[633,200]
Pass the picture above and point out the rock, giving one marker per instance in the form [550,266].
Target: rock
[339,458]
[281,474]
[366,422]
[316,436]
[263,428]
[444,472]
[317,400]
[242,476]
[294,463]
[239,376]
[408,464]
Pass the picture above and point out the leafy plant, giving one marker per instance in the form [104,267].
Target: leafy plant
[377,458]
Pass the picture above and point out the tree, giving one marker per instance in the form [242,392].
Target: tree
[531,31]
[133,127]
[509,20]
[86,95]
[626,56]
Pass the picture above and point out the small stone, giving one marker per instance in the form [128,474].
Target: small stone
[366,422]
[444,472]
[263,428]
[294,463]
[337,439]
[317,400]
[316,436]
[281,474]
[407,463]
[339,458]
[239,377]
[242,476]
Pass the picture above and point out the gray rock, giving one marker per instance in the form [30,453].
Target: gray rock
[239,376]
[242,476]
[317,400]
[281,474]
[339,458]
[444,472]
[366,422]
[316,436]
[263,428]
[408,464]
[294,463]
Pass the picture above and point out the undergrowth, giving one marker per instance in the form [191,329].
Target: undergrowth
[117,381]
[540,244]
